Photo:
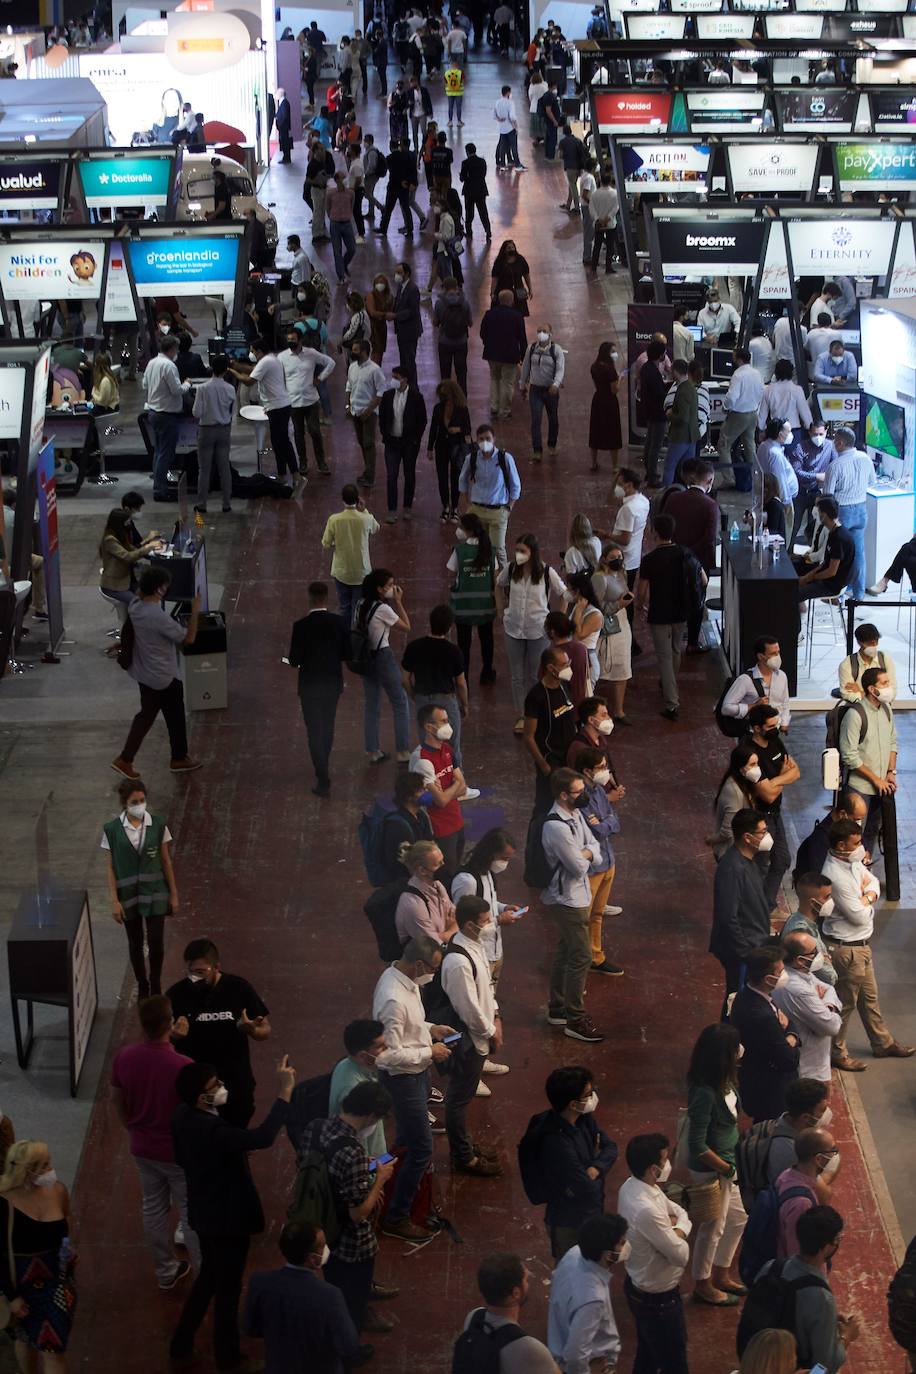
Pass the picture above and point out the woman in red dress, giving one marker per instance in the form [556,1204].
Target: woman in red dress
[604,422]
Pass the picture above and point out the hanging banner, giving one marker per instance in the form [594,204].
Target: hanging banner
[185,266]
[642,322]
[903,275]
[632,112]
[714,248]
[51,270]
[893,110]
[30,185]
[711,26]
[119,307]
[50,545]
[761,168]
[125,181]
[697,7]
[876,166]
[774,283]
[821,110]
[674,168]
[794,25]
[822,247]
[670,26]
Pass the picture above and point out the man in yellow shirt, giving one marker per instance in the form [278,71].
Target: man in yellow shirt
[454,89]
[347,533]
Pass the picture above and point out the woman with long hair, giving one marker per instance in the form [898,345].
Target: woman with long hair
[119,557]
[449,437]
[477,878]
[736,791]
[106,394]
[583,549]
[511,273]
[141,881]
[473,593]
[525,588]
[615,641]
[588,619]
[770,1352]
[379,611]
[379,306]
[712,1139]
[604,431]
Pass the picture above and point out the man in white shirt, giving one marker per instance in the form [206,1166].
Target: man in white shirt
[300,365]
[603,205]
[456,45]
[164,405]
[742,403]
[302,270]
[812,1006]
[580,1324]
[507,124]
[716,319]
[827,303]
[585,186]
[267,373]
[764,682]
[657,1231]
[570,850]
[847,932]
[820,338]
[630,521]
[782,339]
[366,386]
[467,985]
[682,342]
[413,1044]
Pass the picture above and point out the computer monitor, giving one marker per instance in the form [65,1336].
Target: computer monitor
[695,331]
[721,363]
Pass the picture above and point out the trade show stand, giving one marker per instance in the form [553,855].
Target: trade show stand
[755,595]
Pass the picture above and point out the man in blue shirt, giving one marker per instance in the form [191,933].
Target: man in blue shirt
[836,366]
[810,455]
[847,482]
[490,484]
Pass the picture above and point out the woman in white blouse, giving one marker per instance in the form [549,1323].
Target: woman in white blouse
[784,399]
[524,590]
[379,611]
[615,648]
[583,553]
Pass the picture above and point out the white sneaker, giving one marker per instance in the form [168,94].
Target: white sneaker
[483,1090]
[612,910]
[490,1066]
[360,239]
[471,794]
[179,1237]
[878,588]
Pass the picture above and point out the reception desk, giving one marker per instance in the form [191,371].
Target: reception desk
[758,601]
[889,524]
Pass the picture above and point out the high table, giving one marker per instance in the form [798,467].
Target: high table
[188,573]
[758,601]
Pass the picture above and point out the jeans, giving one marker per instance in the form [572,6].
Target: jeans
[652,447]
[668,640]
[676,453]
[572,196]
[503,377]
[464,1072]
[454,355]
[309,418]
[398,451]
[385,677]
[409,1092]
[571,962]
[603,235]
[853,518]
[214,441]
[170,701]
[448,469]
[661,1332]
[219,1280]
[485,638]
[365,437]
[588,232]
[454,108]
[347,596]
[319,711]
[495,521]
[343,236]
[164,426]
[449,703]
[774,864]
[524,657]
[163,1186]
[541,398]
[284,453]
[147,980]
[354,1280]
[476,200]
[418,129]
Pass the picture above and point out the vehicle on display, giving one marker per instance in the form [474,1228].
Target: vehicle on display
[194,193]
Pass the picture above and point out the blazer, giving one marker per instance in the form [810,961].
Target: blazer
[222,1197]
[414,415]
[117,564]
[408,323]
[473,175]
[696,522]
[302,1320]
[769,1064]
[502,332]
[401,167]
[566,1153]
[320,643]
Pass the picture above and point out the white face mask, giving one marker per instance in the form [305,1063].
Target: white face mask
[740,1057]
[137,810]
[766,843]
[252,357]
[623,1254]
[885,694]
[606,727]
[602,776]
[785,438]
[444,732]
[325,1254]
[781,980]
[461,534]
[486,446]
[543,336]
[423,980]
[752,773]
[499,865]
[614,355]
[364,1132]
[826,909]
[398,278]
[195,977]
[774,662]
[619,492]
[818,440]
[45,1180]
[826,1119]
[857,855]
[665,1172]
[832,1164]
[870,650]
[588,1105]
[565,674]
[164,328]
[522,557]
[816,963]
[380,285]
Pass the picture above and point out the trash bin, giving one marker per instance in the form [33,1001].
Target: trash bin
[206,685]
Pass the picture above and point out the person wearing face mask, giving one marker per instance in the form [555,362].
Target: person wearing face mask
[738,788]
[657,1232]
[141,881]
[304,370]
[561,634]
[402,827]
[630,528]
[164,406]
[742,404]
[771,1043]
[815,1151]
[432,671]
[472,597]
[815,904]
[379,307]
[414,1045]
[812,1005]
[740,909]
[490,485]
[265,370]
[549,723]
[424,907]
[511,273]
[716,319]
[449,440]
[365,388]
[402,420]
[302,1320]
[487,860]
[594,732]
[153,667]
[223,1203]
[435,759]
[604,431]
[541,377]
[847,481]
[847,932]
[614,646]
[784,399]
[214,407]
[502,333]
[765,682]
[581,1327]
[35,1214]
[405,314]
[683,422]
[779,771]
[868,748]
[670,588]
[573,1154]
[697,522]
[364,1042]
[868,655]
[772,459]
[601,819]
[807,1104]
[810,456]
[836,366]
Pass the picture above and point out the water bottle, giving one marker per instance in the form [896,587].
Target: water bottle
[734,533]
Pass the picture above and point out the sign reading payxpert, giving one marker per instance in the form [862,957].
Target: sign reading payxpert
[876,166]
[125,181]
[857,246]
[30,185]
[51,270]
[184,267]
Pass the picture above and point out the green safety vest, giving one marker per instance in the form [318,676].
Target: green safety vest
[472,597]
[142,889]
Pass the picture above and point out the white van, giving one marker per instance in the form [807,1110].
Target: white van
[196,192]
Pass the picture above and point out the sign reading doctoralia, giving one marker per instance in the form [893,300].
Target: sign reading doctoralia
[184,266]
[851,246]
[675,168]
[762,169]
[876,166]
[125,181]
[52,269]
[30,185]
[720,248]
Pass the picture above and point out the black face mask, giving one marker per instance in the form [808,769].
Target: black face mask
[293,344]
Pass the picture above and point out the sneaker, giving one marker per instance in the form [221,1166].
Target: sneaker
[478,1167]
[519,726]
[584,1029]
[182,1271]
[185,765]
[435,1126]
[404,1230]
[378,756]
[612,911]
[403,756]
[127,770]
[556,1020]
[878,588]
[482,1091]
[379,1292]
[179,1236]
[490,1066]
[360,239]
[436,1095]
[614,970]
[391,518]
[470,795]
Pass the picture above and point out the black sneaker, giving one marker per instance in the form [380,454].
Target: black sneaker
[583,1029]
[180,1273]
[670,713]
[487,677]
[613,970]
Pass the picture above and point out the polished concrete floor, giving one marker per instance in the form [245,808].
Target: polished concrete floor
[274,875]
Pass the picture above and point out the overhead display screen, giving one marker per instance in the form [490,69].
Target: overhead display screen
[185,266]
[849,246]
[722,110]
[125,181]
[51,270]
[824,109]
[876,166]
[794,26]
[893,109]
[717,248]
[711,26]
[12,399]
[30,185]
[632,112]
[761,168]
[672,168]
[656,25]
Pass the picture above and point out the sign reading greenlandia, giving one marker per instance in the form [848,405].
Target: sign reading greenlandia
[876,166]
[125,181]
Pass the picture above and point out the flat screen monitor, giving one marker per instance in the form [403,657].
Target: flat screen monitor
[885,427]
[725,110]
[191,266]
[711,26]
[633,111]
[651,26]
[893,110]
[672,168]
[696,332]
[823,109]
[52,269]
[721,363]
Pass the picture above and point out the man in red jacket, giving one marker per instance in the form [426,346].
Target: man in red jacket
[697,519]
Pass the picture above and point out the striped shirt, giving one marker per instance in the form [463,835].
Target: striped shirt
[848,477]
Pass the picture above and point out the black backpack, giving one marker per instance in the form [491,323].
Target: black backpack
[752,1157]
[534,1179]
[503,467]
[539,872]
[771,1303]
[125,654]
[733,726]
[311,1101]
[381,908]
[760,1242]
[477,1350]
[901,1301]
[436,1003]
[834,719]
[362,654]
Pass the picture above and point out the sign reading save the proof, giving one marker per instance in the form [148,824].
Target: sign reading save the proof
[184,266]
[125,181]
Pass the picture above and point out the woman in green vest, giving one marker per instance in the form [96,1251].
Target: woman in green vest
[141,881]
[473,595]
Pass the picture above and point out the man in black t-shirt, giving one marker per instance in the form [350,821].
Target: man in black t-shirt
[778,770]
[667,577]
[433,672]
[216,1015]
[830,577]
[550,723]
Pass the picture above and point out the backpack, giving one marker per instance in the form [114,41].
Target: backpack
[539,872]
[834,719]
[362,654]
[477,1350]
[311,1101]
[381,909]
[370,830]
[501,460]
[534,1180]
[125,654]
[761,1234]
[436,1003]
[901,1302]
[771,1303]
[313,1200]
[735,727]
[454,321]
[854,665]
[752,1157]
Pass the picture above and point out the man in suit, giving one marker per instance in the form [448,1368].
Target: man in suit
[402,421]
[473,176]
[223,1204]
[771,1046]
[408,324]
[283,119]
[402,183]
[502,333]
[697,520]
[302,1320]
[320,643]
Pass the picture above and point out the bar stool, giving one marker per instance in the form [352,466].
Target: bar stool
[120,610]
[22,591]
[834,606]
[257,416]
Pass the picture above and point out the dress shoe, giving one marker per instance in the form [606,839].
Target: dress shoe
[848,1065]
[377,1321]
[478,1167]
[185,765]
[127,770]
[670,713]
[379,1292]
[895,1051]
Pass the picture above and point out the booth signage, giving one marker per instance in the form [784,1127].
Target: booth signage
[903,274]
[876,166]
[125,181]
[891,110]
[711,26]
[821,247]
[820,6]
[52,269]
[711,110]
[794,25]
[12,400]
[675,168]
[842,28]
[30,185]
[774,280]
[882,6]
[50,543]
[119,305]
[819,110]
[697,7]
[636,112]
[656,26]
[184,266]
[838,407]
[717,247]
[775,167]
